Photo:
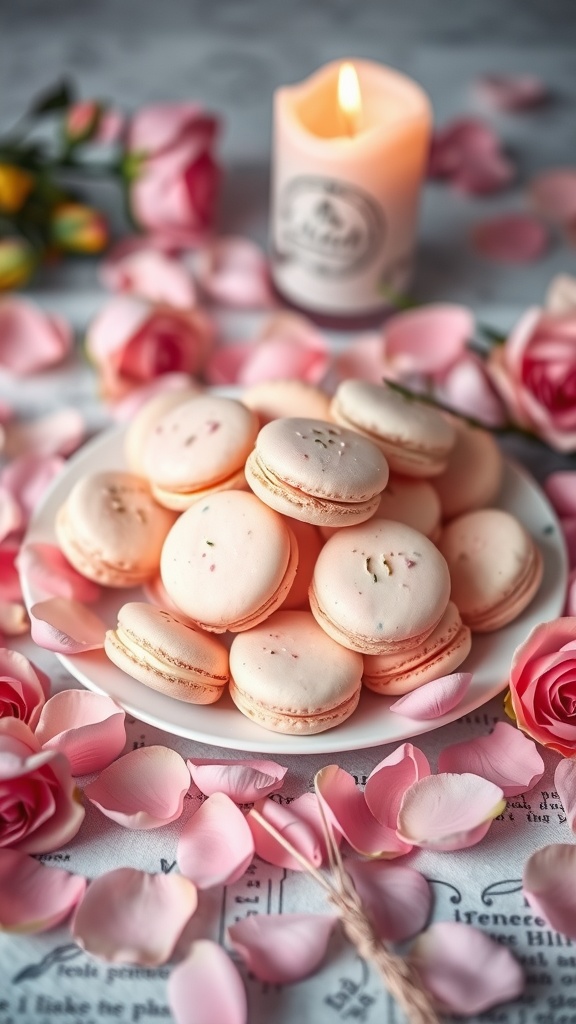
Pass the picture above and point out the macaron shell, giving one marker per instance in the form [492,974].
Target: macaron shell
[473,474]
[414,437]
[441,653]
[111,529]
[379,586]
[410,501]
[229,561]
[275,399]
[289,676]
[310,544]
[495,565]
[144,421]
[158,650]
[200,443]
[178,502]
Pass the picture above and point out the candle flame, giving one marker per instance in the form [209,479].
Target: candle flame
[349,95]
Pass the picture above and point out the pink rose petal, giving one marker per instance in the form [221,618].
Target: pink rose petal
[152,274]
[13,618]
[364,359]
[206,988]
[565,785]
[31,340]
[216,845]
[346,808]
[34,898]
[505,757]
[467,389]
[24,688]
[243,781]
[553,194]
[10,589]
[288,347]
[125,409]
[59,433]
[434,699]
[398,899]
[11,517]
[234,272]
[299,822]
[389,780]
[282,948]
[143,789]
[548,885]
[66,626]
[449,812]
[87,727]
[561,490]
[131,917]
[465,970]
[225,363]
[511,238]
[511,93]
[51,575]
[28,477]
[429,339]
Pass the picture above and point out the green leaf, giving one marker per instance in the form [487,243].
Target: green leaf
[56,97]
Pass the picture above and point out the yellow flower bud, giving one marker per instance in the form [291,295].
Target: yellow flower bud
[15,187]
[17,263]
[78,228]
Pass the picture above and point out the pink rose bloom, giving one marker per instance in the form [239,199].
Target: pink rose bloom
[24,688]
[535,373]
[39,809]
[543,685]
[173,177]
[133,341]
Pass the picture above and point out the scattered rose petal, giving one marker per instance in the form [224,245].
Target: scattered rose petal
[429,339]
[234,272]
[34,898]
[282,948]
[59,433]
[206,988]
[511,93]
[561,490]
[28,477]
[449,812]
[434,699]
[561,295]
[505,757]
[389,780]
[511,238]
[216,845]
[548,885]
[226,362]
[143,789]
[299,822]
[51,575]
[243,781]
[13,618]
[124,410]
[565,785]
[553,194]
[398,899]
[11,517]
[465,970]
[364,359]
[87,727]
[131,917]
[66,626]
[466,388]
[466,152]
[288,347]
[24,688]
[10,589]
[346,808]
[30,339]
[152,274]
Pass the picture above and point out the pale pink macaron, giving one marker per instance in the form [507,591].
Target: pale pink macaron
[290,677]
[111,529]
[495,565]
[276,399]
[380,587]
[440,654]
[415,438]
[158,650]
[473,475]
[145,419]
[310,541]
[317,472]
[410,501]
[198,448]
[229,562]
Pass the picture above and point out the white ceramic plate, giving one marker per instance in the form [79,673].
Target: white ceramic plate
[371,724]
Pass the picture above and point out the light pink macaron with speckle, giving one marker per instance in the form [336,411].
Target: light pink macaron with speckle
[145,419]
[229,562]
[410,501]
[198,448]
[287,675]
[317,472]
[380,587]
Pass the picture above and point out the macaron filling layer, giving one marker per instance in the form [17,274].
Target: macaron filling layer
[161,661]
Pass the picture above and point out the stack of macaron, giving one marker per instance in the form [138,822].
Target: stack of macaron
[300,547]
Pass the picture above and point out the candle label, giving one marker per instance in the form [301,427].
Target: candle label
[331,228]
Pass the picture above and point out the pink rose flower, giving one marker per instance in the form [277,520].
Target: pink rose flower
[543,685]
[39,809]
[173,177]
[133,341]
[535,373]
[24,688]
